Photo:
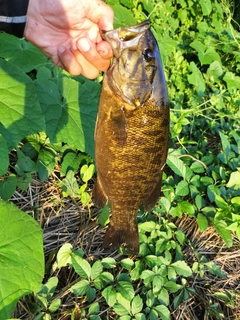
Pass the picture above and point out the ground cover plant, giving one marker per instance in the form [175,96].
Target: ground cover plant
[189,261]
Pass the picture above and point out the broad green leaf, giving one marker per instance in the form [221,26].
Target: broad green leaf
[212,191]
[4,160]
[20,52]
[91,294]
[182,188]
[221,203]
[163,312]
[8,187]
[64,255]
[225,144]
[196,78]
[94,308]
[70,185]
[18,100]
[103,218]
[96,269]
[81,266]
[54,306]
[127,263]
[215,71]
[71,161]
[206,7]
[157,284]
[122,16]
[126,290]
[109,263]
[46,162]
[136,305]
[80,288]
[110,295]
[72,119]
[178,299]
[234,180]
[172,286]
[187,207]
[165,204]
[180,236]
[202,222]
[24,164]
[103,279]
[176,165]
[87,172]
[147,276]
[182,268]
[233,81]
[46,291]
[147,226]
[221,228]
[21,251]
[214,269]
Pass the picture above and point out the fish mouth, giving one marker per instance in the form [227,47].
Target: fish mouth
[125,37]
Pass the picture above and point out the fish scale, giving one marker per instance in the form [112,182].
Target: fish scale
[131,136]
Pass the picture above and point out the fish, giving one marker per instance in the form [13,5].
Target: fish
[131,133]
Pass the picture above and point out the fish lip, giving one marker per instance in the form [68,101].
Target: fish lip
[116,41]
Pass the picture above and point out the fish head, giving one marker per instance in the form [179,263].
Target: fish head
[136,66]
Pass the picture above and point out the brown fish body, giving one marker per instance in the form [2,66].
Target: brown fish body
[131,133]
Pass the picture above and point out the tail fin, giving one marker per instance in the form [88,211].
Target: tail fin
[115,237]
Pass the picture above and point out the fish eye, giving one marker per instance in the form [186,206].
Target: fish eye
[148,55]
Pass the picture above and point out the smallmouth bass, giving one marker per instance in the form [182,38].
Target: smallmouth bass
[131,136]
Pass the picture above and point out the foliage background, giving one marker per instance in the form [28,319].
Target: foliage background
[199,43]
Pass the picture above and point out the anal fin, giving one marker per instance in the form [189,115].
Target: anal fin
[99,197]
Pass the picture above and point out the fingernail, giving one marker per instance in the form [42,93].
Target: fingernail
[83,45]
[61,49]
[103,53]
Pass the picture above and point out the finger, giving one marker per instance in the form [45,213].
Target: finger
[88,50]
[88,70]
[104,49]
[68,61]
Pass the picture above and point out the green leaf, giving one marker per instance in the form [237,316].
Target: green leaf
[182,268]
[44,294]
[103,279]
[21,250]
[81,266]
[64,255]
[80,288]
[234,180]
[177,166]
[163,312]
[136,305]
[8,187]
[127,263]
[212,191]
[215,71]
[172,286]
[18,96]
[233,81]
[24,164]
[182,188]
[206,7]
[122,307]
[91,294]
[71,161]
[122,16]
[202,222]
[46,162]
[4,160]
[103,218]
[126,290]
[180,236]
[110,295]
[70,185]
[214,269]
[196,78]
[20,52]
[109,263]
[54,306]
[96,270]
[178,300]
[87,172]
[94,308]
[147,276]
[187,207]
[221,228]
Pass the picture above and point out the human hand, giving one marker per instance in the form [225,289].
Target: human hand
[69,33]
